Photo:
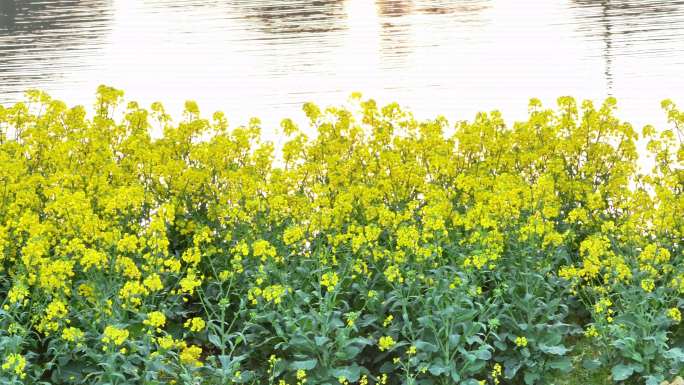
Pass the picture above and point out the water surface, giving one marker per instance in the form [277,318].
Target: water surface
[265,58]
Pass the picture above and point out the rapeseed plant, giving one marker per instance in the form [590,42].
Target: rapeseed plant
[370,248]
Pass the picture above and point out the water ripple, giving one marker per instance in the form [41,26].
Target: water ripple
[265,57]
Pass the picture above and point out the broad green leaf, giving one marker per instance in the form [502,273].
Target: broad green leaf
[215,340]
[483,354]
[455,376]
[622,372]
[531,377]
[321,340]
[676,354]
[351,373]
[305,364]
[454,340]
[563,364]
[558,350]
[654,380]
[437,369]
[591,364]
[426,346]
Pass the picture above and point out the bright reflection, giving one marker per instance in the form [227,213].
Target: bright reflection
[265,58]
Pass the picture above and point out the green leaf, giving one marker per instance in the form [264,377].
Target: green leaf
[558,350]
[437,369]
[675,354]
[654,380]
[63,360]
[511,367]
[591,364]
[351,373]
[227,362]
[649,349]
[305,364]
[321,340]
[473,340]
[245,377]
[483,354]
[563,364]
[454,375]
[300,342]
[279,367]
[622,372]
[426,346]
[348,353]
[531,377]
[360,341]
[215,340]
[500,345]
[473,367]
[366,321]
[425,381]
[454,340]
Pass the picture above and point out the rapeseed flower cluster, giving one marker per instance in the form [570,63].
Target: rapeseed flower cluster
[15,364]
[115,336]
[195,324]
[187,251]
[385,343]
[155,320]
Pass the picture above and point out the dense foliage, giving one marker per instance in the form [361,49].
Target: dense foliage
[380,250]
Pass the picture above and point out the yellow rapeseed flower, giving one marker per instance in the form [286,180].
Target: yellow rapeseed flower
[156,320]
[15,363]
[195,324]
[329,280]
[114,335]
[72,334]
[190,355]
[385,342]
[521,342]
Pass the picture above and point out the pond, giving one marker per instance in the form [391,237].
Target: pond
[265,58]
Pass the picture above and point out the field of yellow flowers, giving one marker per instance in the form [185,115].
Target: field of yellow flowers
[381,250]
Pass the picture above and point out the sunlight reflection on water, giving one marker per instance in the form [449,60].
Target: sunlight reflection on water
[265,58]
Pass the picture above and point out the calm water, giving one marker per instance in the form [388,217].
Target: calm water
[267,57]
